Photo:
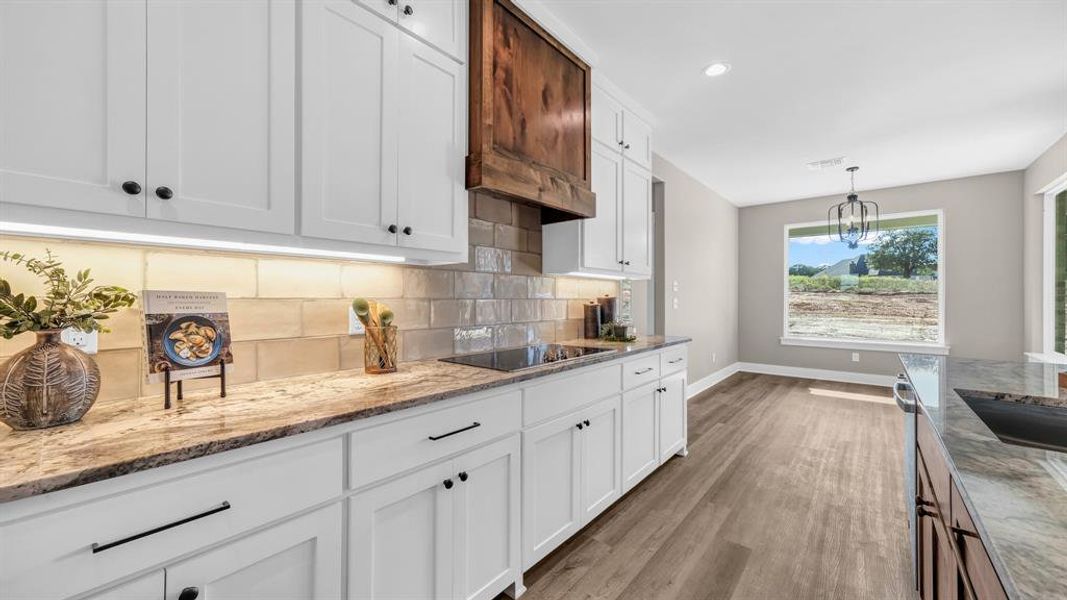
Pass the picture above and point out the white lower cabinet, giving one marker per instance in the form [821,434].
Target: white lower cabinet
[570,474]
[298,558]
[640,448]
[672,416]
[144,587]
[449,530]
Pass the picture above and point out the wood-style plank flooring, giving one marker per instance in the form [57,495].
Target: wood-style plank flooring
[792,490]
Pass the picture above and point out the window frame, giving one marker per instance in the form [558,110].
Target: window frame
[940,347]
[1048,271]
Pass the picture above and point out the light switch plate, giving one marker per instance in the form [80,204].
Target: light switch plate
[86,342]
[355,326]
[855,357]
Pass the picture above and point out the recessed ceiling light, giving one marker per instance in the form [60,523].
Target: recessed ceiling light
[717,68]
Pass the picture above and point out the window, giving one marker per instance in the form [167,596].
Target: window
[887,294]
[1055,278]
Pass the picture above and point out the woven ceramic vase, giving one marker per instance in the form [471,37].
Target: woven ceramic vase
[48,384]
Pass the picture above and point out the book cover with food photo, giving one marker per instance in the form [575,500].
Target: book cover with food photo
[185,332]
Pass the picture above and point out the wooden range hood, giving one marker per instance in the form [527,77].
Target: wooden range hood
[530,135]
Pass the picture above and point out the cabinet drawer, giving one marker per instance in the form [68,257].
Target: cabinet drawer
[976,560]
[931,456]
[673,360]
[640,371]
[562,395]
[52,556]
[392,448]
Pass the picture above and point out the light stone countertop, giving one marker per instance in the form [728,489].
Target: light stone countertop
[120,437]
[1018,504]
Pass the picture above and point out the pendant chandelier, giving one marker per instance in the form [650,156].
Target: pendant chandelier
[854,216]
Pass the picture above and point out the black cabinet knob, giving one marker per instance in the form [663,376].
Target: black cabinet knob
[621,142]
[164,193]
[408,10]
[580,426]
[626,147]
[463,476]
[131,187]
[407,231]
[586,422]
[393,2]
[391,229]
[626,262]
[448,485]
[189,593]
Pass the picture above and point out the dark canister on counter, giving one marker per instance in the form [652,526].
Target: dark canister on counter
[608,308]
[591,330]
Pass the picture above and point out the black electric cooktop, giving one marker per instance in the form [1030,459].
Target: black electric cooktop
[517,359]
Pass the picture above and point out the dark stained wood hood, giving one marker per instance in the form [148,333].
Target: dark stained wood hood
[530,135]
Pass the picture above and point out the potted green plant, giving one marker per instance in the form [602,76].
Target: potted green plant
[52,383]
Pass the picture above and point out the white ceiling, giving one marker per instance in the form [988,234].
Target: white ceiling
[910,91]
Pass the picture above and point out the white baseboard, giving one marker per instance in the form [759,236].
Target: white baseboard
[706,382]
[824,374]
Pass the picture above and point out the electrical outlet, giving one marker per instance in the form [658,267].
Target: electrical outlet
[86,342]
[675,303]
[355,326]
[674,285]
[855,357]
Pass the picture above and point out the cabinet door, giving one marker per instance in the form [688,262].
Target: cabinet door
[222,113]
[672,416]
[487,547]
[601,234]
[440,22]
[607,120]
[432,147]
[72,104]
[400,540]
[146,587]
[390,9]
[551,456]
[298,558]
[637,220]
[637,139]
[601,457]
[348,100]
[640,449]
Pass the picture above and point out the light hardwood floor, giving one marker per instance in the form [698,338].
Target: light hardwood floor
[792,490]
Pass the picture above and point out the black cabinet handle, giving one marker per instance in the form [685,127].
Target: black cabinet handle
[407,231]
[164,192]
[580,426]
[460,430]
[207,513]
[391,229]
[392,2]
[677,360]
[463,476]
[408,10]
[643,371]
[131,187]
[448,484]
[189,593]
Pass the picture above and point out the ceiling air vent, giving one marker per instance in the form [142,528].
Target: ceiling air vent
[828,163]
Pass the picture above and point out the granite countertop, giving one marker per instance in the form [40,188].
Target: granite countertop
[120,437]
[1016,494]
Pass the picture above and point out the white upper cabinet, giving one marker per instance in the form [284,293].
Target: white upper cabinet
[442,23]
[637,139]
[222,113]
[384,135]
[601,242]
[72,105]
[637,221]
[607,119]
[432,205]
[349,163]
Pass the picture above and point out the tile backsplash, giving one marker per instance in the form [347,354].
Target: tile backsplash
[289,316]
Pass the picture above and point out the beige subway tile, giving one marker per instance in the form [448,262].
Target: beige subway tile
[568,287]
[108,264]
[451,313]
[554,310]
[473,339]
[427,283]
[280,278]
[525,216]
[201,272]
[488,208]
[371,281]
[511,238]
[491,312]
[533,242]
[576,309]
[511,286]
[592,288]
[127,330]
[474,285]
[324,317]
[351,351]
[492,260]
[480,232]
[567,330]
[409,313]
[121,372]
[543,332]
[288,358]
[542,287]
[525,310]
[512,335]
[426,344]
[264,319]
[525,263]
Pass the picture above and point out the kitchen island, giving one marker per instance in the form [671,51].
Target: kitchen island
[1016,495]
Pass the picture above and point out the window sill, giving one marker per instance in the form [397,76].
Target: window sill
[1046,357]
[938,349]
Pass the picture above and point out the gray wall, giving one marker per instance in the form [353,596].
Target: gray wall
[983,279]
[1044,170]
[700,249]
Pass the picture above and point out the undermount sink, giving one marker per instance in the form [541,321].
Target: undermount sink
[1031,421]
